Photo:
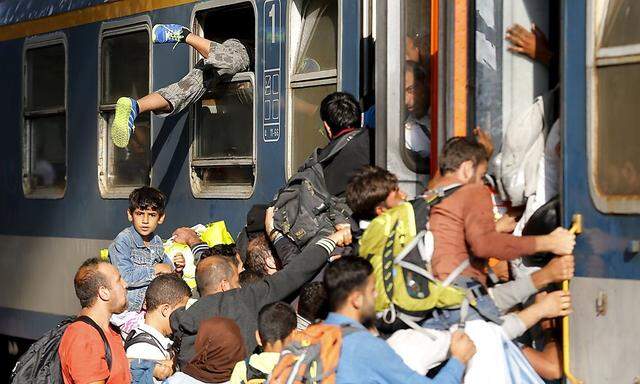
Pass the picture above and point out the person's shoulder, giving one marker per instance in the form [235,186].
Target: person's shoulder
[124,236]
[79,334]
[473,189]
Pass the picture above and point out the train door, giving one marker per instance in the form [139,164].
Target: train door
[406,118]
[601,86]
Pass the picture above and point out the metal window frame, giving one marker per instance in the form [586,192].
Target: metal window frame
[598,58]
[307,80]
[42,41]
[110,29]
[214,191]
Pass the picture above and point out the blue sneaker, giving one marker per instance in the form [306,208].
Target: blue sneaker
[122,127]
[169,33]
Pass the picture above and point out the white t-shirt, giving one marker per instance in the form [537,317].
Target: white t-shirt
[147,351]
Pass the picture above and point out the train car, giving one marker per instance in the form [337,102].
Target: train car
[437,65]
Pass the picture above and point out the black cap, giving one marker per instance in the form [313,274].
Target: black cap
[255,218]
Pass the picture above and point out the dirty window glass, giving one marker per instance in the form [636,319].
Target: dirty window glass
[318,48]
[621,23]
[618,137]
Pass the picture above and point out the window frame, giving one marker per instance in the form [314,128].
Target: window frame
[598,58]
[223,191]
[306,80]
[110,29]
[43,41]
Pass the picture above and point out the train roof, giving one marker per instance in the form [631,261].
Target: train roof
[16,11]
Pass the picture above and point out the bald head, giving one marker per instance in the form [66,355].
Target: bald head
[216,274]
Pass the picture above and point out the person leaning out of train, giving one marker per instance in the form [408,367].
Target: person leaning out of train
[88,341]
[137,251]
[149,347]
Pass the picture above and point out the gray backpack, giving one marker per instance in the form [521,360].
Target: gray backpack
[304,208]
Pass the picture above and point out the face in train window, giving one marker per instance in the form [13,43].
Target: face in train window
[416,128]
[124,168]
[45,134]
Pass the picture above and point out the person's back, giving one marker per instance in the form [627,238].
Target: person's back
[463,225]
[340,113]
[84,356]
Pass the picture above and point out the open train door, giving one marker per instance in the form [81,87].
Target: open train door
[600,64]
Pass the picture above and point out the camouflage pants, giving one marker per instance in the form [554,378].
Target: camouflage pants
[224,61]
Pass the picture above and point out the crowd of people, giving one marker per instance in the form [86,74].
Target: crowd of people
[266,298]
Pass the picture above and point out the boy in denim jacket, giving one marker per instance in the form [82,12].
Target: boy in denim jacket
[137,252]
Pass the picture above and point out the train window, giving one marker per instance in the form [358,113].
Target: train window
[615,176]
[313,45]
[123,169]
[620,26]
[45,123]
[223,150]
[416,126]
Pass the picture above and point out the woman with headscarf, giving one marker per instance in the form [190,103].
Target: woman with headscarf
[219,346]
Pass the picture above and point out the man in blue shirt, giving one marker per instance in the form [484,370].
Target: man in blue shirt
[364,358]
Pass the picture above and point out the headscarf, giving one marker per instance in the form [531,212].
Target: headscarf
[219,346]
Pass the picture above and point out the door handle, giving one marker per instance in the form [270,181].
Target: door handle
[576,228]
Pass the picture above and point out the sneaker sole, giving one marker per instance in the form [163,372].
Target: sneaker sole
[120,131]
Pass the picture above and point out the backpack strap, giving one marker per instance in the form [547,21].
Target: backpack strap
[107,348]
[138,336]
[253,373]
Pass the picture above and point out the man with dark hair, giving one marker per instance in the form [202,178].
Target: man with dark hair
[341,115]
[312,304]
[150,341]
[364,358]
[463,224]
[417,125]
[83,354]
[222,295]
[276,322]
[372,190]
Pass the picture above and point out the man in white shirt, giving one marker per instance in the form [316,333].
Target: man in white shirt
[149,342]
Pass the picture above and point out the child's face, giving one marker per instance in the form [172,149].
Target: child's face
[145,221]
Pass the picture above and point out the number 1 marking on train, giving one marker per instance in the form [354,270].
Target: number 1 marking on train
[272,15]
[272,59]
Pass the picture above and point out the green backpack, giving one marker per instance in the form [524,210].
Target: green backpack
[401,258]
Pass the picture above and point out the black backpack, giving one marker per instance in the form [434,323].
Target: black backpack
[304,208]
[41,363]
[138,336]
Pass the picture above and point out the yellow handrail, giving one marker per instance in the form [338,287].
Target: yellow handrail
[576,228]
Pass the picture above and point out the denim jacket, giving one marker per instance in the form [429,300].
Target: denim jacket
[135,262]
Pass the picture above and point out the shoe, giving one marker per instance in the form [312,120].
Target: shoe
[122,127]
[169,33]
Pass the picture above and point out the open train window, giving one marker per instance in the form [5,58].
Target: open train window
[120,170]
[223,156]
[44,160]
[614,68]
[313,73]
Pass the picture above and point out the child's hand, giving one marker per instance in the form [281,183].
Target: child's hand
[178,262]
[159,269]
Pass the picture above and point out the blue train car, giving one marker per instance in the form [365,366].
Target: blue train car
[63,185]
